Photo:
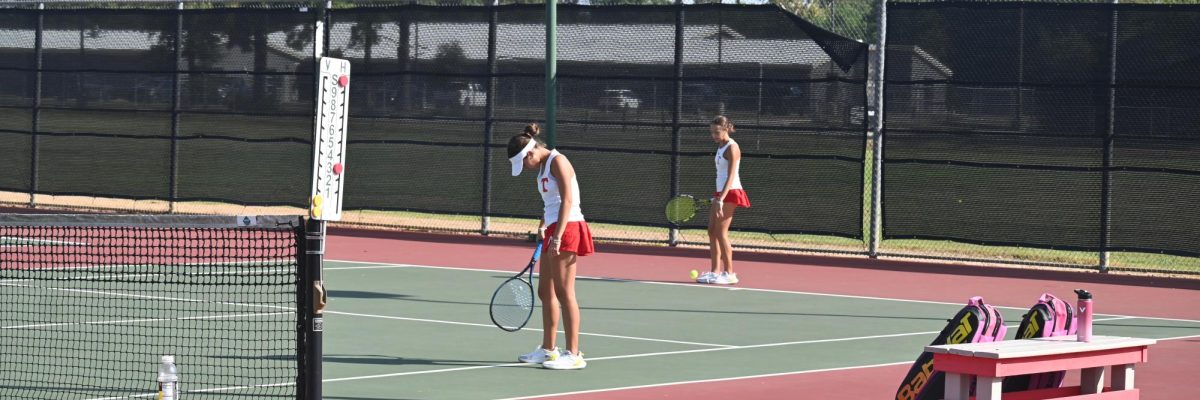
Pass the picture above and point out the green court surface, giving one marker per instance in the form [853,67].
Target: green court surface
[423,332]
[415,332]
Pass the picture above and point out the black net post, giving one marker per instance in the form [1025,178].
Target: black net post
[176,87]
[489,123]
[37,104]
[311,307]
[676,112]
[1106,172]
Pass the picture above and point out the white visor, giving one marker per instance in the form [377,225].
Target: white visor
[518,161]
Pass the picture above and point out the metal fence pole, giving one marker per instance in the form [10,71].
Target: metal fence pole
[173,190]
[876,224]
[551,130]
[489,123]
[1106,174]
[676,112]
[37,104]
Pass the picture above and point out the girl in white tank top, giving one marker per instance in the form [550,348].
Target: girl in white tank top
[551,198]
[565,237]
[728,197]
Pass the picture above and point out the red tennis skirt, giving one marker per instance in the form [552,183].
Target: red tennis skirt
[736,197]
[577,238]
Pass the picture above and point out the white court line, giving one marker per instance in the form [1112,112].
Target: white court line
[398,374]
[247,272]
[528,329]
[218,273]
[370,267]
[381,265]
[811,371]
[627,356]
[34,242]
[1179,338]
[592,359]
[364,377]
[761,376]
[716,346]
[140,296]
[210,390]
[138,321]
[115,266]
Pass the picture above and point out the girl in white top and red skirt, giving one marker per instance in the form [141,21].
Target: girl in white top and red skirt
[729,196]
[565,239]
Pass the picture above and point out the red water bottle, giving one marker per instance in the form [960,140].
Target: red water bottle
[1085,315]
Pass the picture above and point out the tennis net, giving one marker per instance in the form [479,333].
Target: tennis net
[91,303]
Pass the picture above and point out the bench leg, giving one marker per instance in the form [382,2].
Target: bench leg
[1122,376]
[1091,380]
[958,386]
[988,388]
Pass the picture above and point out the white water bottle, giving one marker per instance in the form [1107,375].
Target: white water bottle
[168,379]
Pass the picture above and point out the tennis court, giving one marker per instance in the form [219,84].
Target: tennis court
[414,330]
[407,319]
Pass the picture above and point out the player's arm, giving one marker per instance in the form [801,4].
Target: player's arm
[541,235]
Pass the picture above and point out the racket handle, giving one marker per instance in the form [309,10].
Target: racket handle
[537,253]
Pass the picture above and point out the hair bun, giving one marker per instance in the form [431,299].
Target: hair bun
[723,122]
[533,130]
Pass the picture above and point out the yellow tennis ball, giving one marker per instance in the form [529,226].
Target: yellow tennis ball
[694,274]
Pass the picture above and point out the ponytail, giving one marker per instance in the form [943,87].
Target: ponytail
[723,122]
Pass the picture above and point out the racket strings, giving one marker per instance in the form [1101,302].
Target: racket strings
[681,210]
[523,298]
[512,305]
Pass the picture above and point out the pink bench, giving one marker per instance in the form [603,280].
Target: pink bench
[991,362]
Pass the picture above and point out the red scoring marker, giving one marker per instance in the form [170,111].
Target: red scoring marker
[337,169]
[343,80]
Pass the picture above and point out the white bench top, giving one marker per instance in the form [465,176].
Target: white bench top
[1038,347]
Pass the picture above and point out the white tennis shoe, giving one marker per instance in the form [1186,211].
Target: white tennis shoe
[566,360]
[726,278]
[539,355]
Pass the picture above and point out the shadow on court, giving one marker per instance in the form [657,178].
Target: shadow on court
[380,295]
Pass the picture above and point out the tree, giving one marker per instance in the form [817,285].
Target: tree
[365,34]
[856,19]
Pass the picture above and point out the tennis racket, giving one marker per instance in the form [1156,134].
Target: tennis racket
[683,208]
[512,303]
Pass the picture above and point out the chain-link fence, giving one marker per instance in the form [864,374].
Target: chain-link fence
[216,103]
[1065,132]
[1008,137]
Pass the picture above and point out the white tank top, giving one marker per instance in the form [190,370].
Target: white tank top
[548,186]
[723,169]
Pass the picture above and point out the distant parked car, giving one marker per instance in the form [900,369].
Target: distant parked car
[619,98]
[456,95]
[472,95]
